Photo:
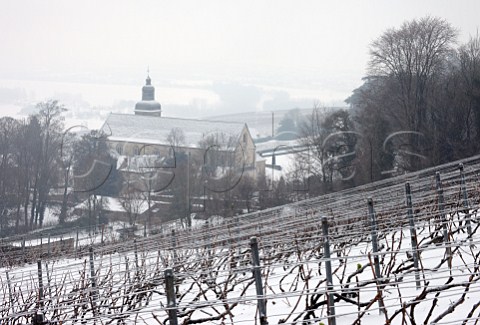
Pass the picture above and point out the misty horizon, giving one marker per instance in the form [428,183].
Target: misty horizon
[205,59]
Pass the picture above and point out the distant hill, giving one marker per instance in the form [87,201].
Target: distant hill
[260,123]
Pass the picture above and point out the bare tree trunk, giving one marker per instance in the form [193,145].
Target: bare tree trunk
[34,205]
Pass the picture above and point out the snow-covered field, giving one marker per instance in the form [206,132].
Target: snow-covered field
[213,269]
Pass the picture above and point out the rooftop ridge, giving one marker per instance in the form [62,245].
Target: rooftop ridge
[173,118]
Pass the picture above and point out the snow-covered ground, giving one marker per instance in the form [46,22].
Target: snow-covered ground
[284,164]
[215,279]
[213,268]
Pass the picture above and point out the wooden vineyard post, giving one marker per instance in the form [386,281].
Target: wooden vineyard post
[48,251]
[40,286]
[207,238]
[376,260]
[413,233]
[443,218]
[48,281]
[465,203]
[93,281]
[174,246]
[12,305]
[135,251]
[237,233]
[261,301]
[328,270]
[76,244]
[171,301]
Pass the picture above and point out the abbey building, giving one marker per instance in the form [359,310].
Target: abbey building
[147,133]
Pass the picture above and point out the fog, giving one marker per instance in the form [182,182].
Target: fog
[205,58]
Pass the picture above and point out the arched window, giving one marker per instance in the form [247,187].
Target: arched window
[119,148]
[136,151]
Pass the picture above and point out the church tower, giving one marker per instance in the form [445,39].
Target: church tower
[148,106]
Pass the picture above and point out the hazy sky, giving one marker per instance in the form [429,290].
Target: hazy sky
[240,54]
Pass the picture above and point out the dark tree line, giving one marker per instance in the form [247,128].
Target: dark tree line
[420,103]
[28,152]
[418,106]
[37,162]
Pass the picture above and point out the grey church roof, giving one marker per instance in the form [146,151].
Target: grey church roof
[155,130]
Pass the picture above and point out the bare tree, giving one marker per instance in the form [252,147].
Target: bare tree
[176,137]
[469,59]
[148,174]
[329,142]
[312,161]
[51,121]
[223,169]
[369,107]
[66,162]
[8,130]
[413,56]
[132,201]
[94,173]
[28,147]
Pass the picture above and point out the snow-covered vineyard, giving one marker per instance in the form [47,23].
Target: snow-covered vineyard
[372,282]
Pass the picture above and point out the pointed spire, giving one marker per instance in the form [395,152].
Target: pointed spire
[148,81]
